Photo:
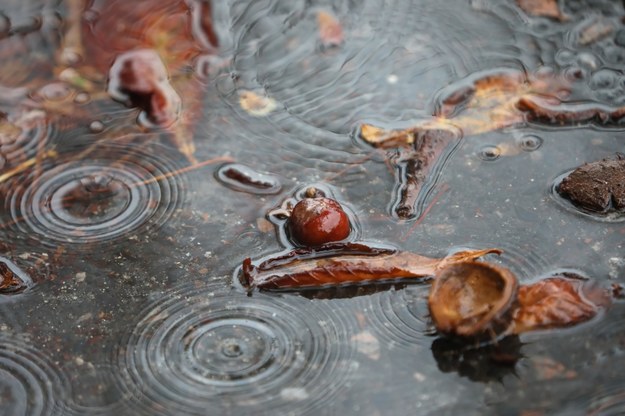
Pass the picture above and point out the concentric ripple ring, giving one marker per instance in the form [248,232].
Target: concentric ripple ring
[30,384]
[199,349]
[110,194]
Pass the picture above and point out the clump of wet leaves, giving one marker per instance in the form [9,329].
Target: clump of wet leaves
[468,299]
[598,186]
[481,301]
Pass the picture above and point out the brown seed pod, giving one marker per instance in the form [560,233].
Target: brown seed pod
[318,221]
[473,300]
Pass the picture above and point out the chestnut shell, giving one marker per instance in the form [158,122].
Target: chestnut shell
[473,300]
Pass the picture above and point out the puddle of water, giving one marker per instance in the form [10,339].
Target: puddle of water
[126,223]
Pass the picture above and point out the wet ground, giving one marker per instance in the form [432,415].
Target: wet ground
[128,240]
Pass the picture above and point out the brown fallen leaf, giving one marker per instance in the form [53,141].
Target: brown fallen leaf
[558,302]
[477,300]
[490,102]
[551,111]
[11,280]
[420,151]
[179,31]
[330,29]
[341,264]
[544,8]
[139,79]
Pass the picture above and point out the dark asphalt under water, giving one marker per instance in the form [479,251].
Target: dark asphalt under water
[133,308]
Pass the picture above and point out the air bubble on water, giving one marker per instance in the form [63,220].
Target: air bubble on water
[96,126]
[529,142]
[489,153]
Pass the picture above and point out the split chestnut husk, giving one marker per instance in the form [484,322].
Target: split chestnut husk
[473,300]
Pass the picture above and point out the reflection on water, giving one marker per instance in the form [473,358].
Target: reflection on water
[118,221]
[113,191]
[203,346]
[29,382]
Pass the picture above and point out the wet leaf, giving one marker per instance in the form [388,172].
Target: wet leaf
[255,104]
[330,29]
[597,30]
[12,280]
[139,78]
[558,302]
[489,102]
[341,264]
[544,8]
[177,31]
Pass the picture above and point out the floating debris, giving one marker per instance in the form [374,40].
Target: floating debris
[558,302]
[345,263]
[330,29]
[543,8]
[473,299]
[256,105]
[318,221]
[597,187]
[13,280]
[244,178]
[139,79]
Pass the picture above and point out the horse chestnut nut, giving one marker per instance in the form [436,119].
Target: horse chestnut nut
[317,221]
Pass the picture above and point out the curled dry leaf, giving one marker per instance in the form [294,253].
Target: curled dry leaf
[544,8]
[558,302]
[482,103]
[473,299]
[341,264]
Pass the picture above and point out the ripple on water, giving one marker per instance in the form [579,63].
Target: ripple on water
[93,197]
[29,382]
[400,317]
[94,389]
[376,73]
[611,401]
[522,258]
[199,348]
[609,217]
[23,135]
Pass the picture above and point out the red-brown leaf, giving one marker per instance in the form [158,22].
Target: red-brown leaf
[544,8]
[345,264]
[557,302]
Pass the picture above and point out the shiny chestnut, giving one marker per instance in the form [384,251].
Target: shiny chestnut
[317,221]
